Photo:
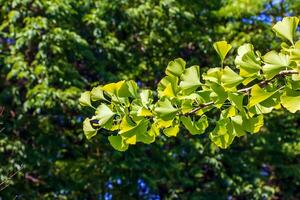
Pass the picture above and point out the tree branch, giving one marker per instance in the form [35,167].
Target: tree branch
[248,89]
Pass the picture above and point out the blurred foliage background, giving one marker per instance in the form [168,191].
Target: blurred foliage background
[50,50]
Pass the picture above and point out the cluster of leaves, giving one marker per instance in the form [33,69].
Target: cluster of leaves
[183,97]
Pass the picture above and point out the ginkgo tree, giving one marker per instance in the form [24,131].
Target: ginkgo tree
[242,94]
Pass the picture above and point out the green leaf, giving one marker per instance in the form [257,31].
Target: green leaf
[291,100]
[220,135]
[222,48]
[128,89]
[219,95]
[175,67]
[237,126]
[213,75]
[165,109]
[168,86]
[236,100]
[274,63]
[117,143]
[146,97]
[286,28]
[230,79]
[253,124]
[129,128]
[144,112]
[85,99]
[97,94]
[88,129]
[259,95]
[248,63]
[103,114]
[190,79]
[193,127]
[295,52]
[171,131]
[112,88]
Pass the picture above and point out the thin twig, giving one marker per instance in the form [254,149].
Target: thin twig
[247,89]
[9,178]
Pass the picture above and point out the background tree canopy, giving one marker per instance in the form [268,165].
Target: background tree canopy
[51,50]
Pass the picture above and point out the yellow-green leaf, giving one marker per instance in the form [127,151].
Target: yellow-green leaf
[88,129]
[286,28]
[230,79]
[222,48]
[190,79]
[291,100]
[118,143]
[103,114]
[171,131]
[85,99]
[259,95]
[176,67]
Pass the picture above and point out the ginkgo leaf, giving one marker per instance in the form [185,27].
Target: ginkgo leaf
[253,124]
[236,100]
[190,79]
[219,95]
[128,89]
[144,112]
[274,63]
[286,28]
[168,86]
[248,63]
[213,75]
[171,131]
[175,67]
[112,88]
[128,127]
[195,127]
[291,100]
[259,95]
[165,109]
[237,126]
[146,97]
[88,129]
[222,48]
[97,94]
[117,143]
[230,79]
[220,135]
[295,52]
[103,114]
[85,99]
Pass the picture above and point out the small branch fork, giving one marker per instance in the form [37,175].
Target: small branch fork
[248,89]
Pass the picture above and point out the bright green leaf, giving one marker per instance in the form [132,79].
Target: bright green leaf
[193,127]
[230,79]
[176,67]
[85,99]
[171,131]
[286,28]
[259,95]
[88,129]
[291,100]
[117,143]
[103,114]
[190,79]
[165,109]
[274,63]
[222,48]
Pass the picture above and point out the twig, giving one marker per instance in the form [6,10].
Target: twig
[10,177]
[247,89]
